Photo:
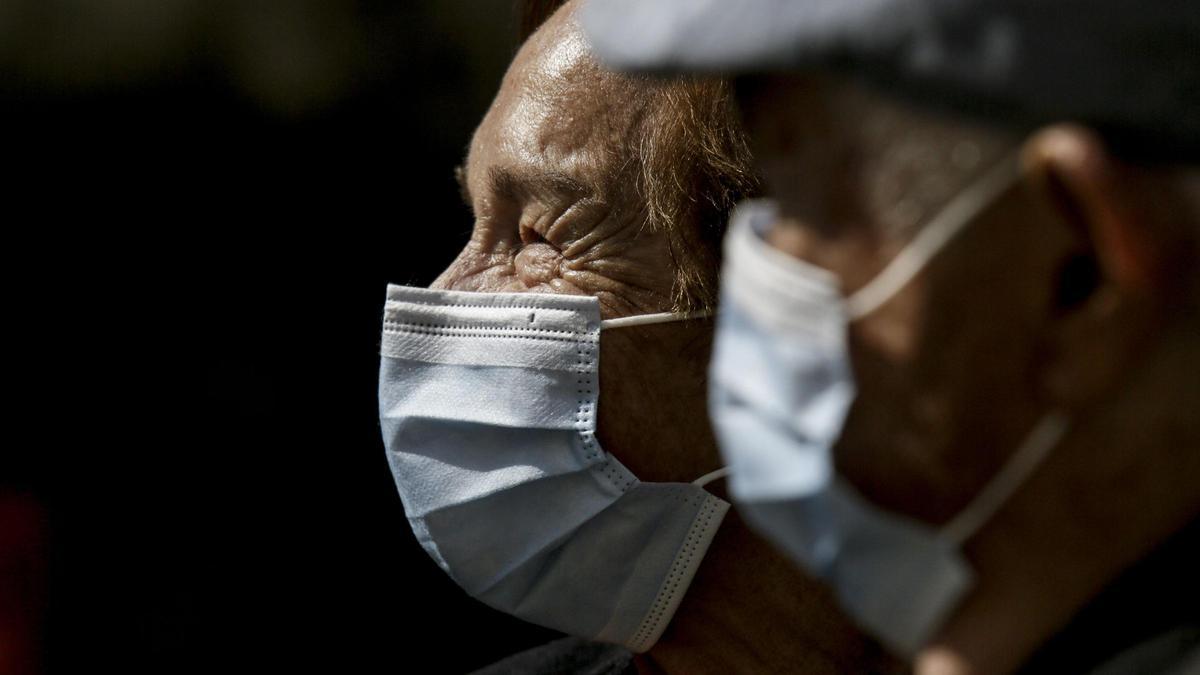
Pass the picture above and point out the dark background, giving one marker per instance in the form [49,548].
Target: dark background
[205,202]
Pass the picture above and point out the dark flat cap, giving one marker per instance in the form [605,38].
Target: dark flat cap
[1129,68]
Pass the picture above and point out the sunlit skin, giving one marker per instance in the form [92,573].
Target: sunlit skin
[554,213]
[548,177]
[1005,325]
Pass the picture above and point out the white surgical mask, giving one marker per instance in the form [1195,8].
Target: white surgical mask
[780,388]
[487,403]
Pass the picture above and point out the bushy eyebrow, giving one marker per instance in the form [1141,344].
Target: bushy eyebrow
[516,185]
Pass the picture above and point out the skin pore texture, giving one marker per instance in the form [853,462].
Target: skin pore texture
[1074,291]
[552,179]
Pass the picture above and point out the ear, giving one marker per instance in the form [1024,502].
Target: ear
[1111,203]
[1110,281]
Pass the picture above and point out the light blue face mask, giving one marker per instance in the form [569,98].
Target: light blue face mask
[780,388]
[487,403]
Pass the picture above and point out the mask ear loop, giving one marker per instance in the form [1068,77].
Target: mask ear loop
[934,236]
[668,317]
[711,476]
[649,319]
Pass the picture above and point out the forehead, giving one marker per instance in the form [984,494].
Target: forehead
[555,104]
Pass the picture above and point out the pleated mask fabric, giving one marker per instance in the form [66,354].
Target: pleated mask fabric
[487,404]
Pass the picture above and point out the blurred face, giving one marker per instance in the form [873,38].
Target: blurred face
[945,368]
[550,179]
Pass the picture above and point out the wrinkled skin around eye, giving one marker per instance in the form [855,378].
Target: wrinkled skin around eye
[565,244]
[550,179]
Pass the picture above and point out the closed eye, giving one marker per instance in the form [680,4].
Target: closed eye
[518,186]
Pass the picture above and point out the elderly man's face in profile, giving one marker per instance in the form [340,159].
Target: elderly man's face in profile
[566,177]
[551,179]
[547,177]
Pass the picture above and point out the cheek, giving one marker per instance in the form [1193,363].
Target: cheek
[529,270]
[474,270]
[652,414]
[945,382]
[897,422]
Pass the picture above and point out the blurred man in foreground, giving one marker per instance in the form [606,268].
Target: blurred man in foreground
[557,489]
[955,368]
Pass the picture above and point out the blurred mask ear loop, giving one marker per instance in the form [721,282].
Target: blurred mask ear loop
[1036,446]
[933,237]
[668,317]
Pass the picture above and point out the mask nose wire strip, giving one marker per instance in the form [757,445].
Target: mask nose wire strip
[1048,432]
[937,232]
[647,319]
[711,476]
